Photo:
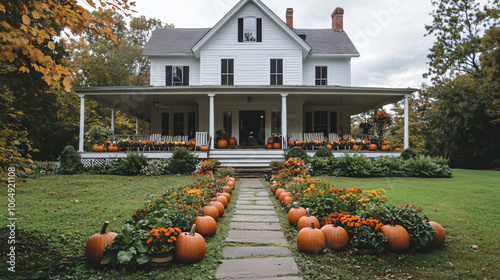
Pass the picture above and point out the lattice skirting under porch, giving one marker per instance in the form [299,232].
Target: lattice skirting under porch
[88,162]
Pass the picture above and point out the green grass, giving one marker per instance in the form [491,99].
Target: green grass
[57,214]
[467,206]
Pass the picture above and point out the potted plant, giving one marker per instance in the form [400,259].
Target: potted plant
[365,127]
[222,137]
[276,137]
[276,165]
[210,164]
[161,242]
[382,118]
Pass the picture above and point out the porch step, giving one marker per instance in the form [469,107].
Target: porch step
[251,172]
[247,158]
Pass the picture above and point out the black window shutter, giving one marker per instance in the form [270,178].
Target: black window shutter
[259,30]
[240,30]
[185,70]
[168,75]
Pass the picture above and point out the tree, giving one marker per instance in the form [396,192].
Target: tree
[490,61]
[104,63]
[24,30]
[419,106]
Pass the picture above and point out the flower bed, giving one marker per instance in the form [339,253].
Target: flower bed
[144,146]
[156,227]
[362,213]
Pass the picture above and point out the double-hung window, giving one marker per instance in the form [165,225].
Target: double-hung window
[276,72]
[321,75]
[227,72]
[177,75]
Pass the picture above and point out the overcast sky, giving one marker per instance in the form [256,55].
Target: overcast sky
[389,34]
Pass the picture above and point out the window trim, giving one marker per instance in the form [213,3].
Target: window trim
[276,74]
[322,80]
[169,75]
[226,73]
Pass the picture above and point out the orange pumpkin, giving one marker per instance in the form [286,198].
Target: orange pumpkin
[278,192]
[283,195]
[398,238]
[222,144]
[329,147]
[203,148]
[311,240]
[336,237]
[232,141]
[270,141]
[226,195]
[205,225]
[295,213]
[397,150]
[190,247]
[273,188]
[306,220]
[232,184]
[439,235]
[228,189]
[219,206]
[94,250]
[276,145]
[355,147]
[372,147]
[386,147]
[211,211]
[98,148]
[287,200]
[222,200]
[269,146]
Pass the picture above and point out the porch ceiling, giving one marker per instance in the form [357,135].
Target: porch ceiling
[139,101]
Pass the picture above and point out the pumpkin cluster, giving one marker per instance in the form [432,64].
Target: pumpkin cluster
[339,230]
[188,246]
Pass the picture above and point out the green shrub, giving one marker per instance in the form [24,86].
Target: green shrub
[297,152]
[131,165]
[157,167]
[320,166]
[323,152]
[224,172]
[70,162]
[182,162]
[408,154]
[101,169]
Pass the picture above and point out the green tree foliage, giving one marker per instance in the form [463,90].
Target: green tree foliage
[464,121]
[101,62]
[419,106]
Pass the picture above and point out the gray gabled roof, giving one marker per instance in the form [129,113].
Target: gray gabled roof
[180,41]
[328,42]
[173,41]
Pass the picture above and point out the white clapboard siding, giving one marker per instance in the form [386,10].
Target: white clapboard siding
[338,71]
[251,59]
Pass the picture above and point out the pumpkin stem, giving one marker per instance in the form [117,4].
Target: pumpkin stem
[295,205]
[307,212]
[393,222]
[335,222]
[103,230]
[312,225]
[193,229]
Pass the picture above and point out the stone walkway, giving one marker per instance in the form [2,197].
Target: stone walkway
[266,255]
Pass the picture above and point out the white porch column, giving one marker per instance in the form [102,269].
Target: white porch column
[82,122]
[211,119]
[284,124]
[136,126]
[113,120]
[406,138]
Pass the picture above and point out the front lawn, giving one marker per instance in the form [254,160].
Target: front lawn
[466,205]
[57,214]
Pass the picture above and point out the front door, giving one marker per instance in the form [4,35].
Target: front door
[252,128]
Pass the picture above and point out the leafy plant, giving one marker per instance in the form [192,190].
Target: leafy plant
[297,152]
[408,154]
[278,164]
[156,167]
[131,165]
[162,239]
[129,247]
[182,162]
[420,232]
[323,152]
[70,161]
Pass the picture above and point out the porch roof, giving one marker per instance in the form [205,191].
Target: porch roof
[138,100]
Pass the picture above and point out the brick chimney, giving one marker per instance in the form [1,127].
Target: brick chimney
[338,19]
[289,17]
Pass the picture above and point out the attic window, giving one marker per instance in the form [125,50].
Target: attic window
[249,29]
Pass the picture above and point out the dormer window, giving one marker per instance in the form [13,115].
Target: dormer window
[176,75]
[249,29]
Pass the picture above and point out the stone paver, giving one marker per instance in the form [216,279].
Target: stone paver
[255,226]
[255,218]
[256,267]
[253,206]
[255,222]
[256,236]
[254,212]
[255,251]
